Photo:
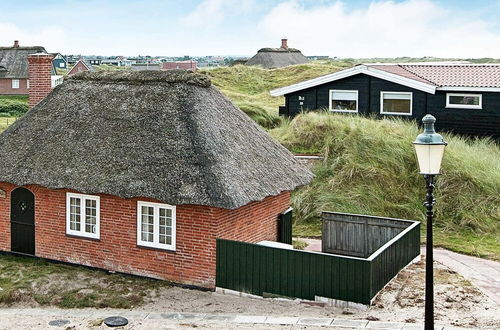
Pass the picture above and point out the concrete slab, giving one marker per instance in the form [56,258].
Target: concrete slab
[411,326]
[220,318]
[249,319]
[281,320]
[315,321]
[349,323]
[176,316]
[384,325]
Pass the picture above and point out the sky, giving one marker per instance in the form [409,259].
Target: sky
[356,28]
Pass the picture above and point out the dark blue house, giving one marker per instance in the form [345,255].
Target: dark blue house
[465,98]
[59,61]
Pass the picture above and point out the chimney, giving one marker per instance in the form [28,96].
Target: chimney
[284,43]
[40,71]
[16,44]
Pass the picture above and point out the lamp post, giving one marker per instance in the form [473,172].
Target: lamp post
[429,147]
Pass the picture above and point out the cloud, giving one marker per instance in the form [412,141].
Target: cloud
[384,29]
[210,13]
[50,36]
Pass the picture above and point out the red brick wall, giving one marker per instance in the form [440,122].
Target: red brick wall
[40,71]
[187,65]
[79,67]
[6,87]
[193,262]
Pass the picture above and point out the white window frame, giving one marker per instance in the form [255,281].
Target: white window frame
[27,84]
[156,226]
[83,219]
[395,113]
[15,83]
[464,106]
[330,99]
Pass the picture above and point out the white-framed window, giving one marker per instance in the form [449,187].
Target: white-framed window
[82,215]
[343,100]
[396,103]
[464,101]
[15,83]
[61,64]
[27,83]
[156,225]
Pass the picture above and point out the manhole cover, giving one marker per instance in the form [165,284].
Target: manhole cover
[58,323]
[115,321]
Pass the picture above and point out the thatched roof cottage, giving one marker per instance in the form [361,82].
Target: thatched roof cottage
[140,172]
[271,58]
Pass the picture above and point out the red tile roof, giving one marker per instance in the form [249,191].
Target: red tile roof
[449,75]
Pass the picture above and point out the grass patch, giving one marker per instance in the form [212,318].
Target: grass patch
[13,105]
[34,281]
[6,122]
[248,86]
[370,168]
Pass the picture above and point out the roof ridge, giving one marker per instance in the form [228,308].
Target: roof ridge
[402,66]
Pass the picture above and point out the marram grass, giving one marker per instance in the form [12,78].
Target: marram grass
[370,168]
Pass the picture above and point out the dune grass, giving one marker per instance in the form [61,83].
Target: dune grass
[248,86]
[370,168]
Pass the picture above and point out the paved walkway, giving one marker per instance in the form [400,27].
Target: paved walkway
[482,273]
[39,318]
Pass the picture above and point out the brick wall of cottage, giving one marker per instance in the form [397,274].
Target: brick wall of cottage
[193,262]
[6,87]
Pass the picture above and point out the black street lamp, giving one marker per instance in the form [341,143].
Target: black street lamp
[430,149]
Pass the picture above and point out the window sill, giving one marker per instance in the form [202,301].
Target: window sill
[95,239]
[463,108]
[169,250]
[344,111]
[396,114]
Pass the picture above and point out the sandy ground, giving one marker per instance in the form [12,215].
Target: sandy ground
[457,303]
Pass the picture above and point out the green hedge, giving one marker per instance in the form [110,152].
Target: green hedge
[13,105]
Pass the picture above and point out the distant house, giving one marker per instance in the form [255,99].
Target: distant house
[464,97]
[183,65]
[146,67]
[141,172]
[270,58]
[59,61]
[80,66]
[14,69]
[94,61]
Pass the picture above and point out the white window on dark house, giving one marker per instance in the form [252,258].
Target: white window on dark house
[15,83]
[343,100]
[82,215]
[464,101]
[61,64]
[396,103]
[156,225]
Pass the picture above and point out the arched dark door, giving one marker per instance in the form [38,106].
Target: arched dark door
[22,221]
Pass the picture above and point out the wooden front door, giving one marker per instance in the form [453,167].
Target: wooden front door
[22,221]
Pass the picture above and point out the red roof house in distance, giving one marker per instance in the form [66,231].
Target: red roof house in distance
[182,65]
[140,172]
[80,66]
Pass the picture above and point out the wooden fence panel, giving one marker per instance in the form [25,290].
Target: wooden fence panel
[285,227]
[258,269]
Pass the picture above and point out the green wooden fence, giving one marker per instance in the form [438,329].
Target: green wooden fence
[258,269]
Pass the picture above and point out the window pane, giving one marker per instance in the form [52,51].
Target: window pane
[75,214]
[398,106]
[343,105]
[165,226]
[397,96]
[147,223]
[467,100]
[345,95]
[90,216]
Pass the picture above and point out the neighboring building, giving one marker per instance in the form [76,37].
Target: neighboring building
[270,58]
[464,98]
[80,66]
[60,61]
[140,172]
[14,69]
[146,67]
[183,65]
[94,61]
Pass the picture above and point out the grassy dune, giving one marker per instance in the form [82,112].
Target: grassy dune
[248,87]
[370,166]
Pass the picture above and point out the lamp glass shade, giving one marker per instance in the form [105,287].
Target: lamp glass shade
[429,157]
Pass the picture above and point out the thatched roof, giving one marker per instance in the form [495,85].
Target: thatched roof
[14,61]
[270,58]
[166,135]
